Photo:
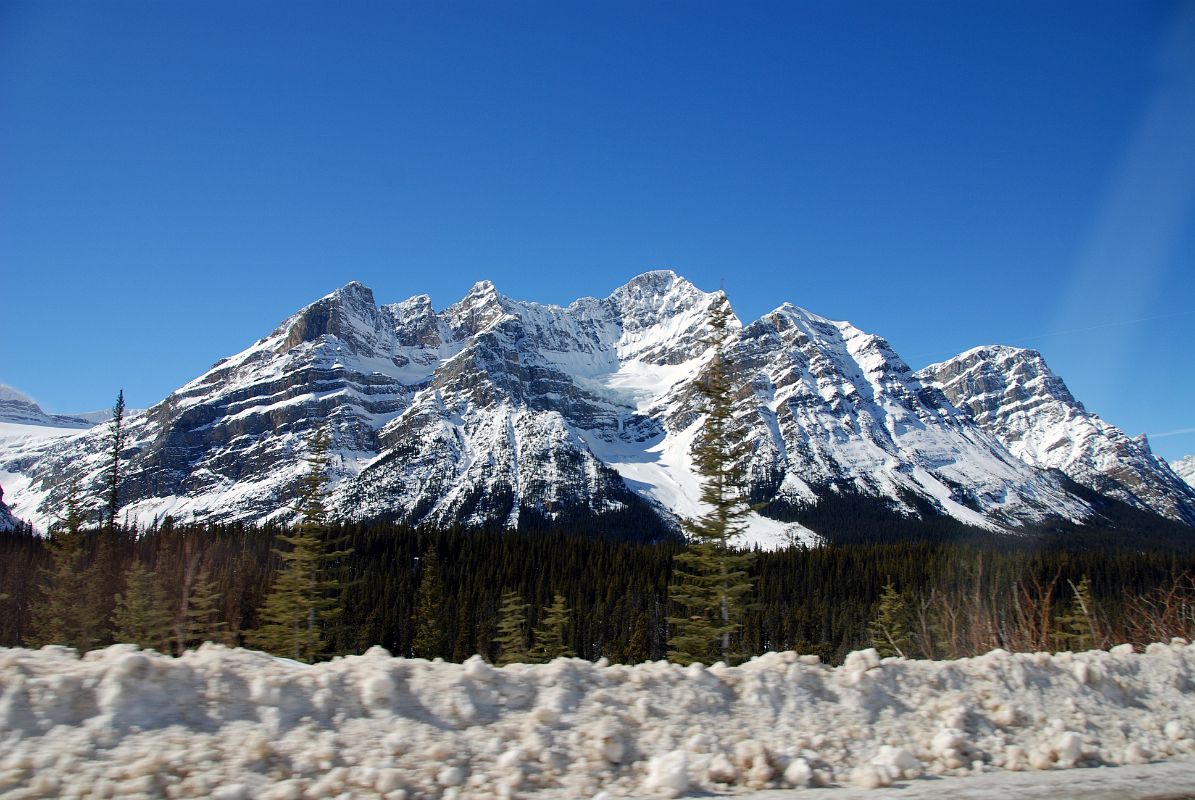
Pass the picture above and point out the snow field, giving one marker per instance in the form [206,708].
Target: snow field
[232,724]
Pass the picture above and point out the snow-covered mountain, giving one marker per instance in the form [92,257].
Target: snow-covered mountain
[1185,469]
[21,409]
[502,412]
[1011,393]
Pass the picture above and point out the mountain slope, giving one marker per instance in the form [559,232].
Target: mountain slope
[18,408]
[1185,469]
[1012,393]
[8,522]
[497,412]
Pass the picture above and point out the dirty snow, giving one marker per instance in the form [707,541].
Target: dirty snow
[236,723]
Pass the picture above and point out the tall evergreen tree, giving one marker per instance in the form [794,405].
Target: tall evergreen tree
[891,626]
[1075,629]
[67,612]
[549,634]
[142,615]
[429,623]
[512,629]
[709,579]
[303,600]
[200,618]
[117,438]
[637,650]
[463,644]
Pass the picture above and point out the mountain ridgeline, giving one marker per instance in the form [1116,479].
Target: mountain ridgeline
[497,413]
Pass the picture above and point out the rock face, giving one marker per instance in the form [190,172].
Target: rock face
[1011,393]
[497,412]
[1185,469]
[7,521]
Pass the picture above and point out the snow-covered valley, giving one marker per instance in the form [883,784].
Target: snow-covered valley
[238,724]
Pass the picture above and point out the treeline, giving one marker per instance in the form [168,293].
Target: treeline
[452,593]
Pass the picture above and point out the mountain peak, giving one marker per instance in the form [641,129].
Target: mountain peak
[11,393]
[992,353]
[343,313]
[659,289]
[354,291]
[503,412]
[655,277]
[1013,394]
[477,310]
[18,407]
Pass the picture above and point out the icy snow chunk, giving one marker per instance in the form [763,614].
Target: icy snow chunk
[1136,754]
[948,739]
[668,774]
[721,770]
[232,791]
[477,669]
[450,776]
[870,776]
[378,691]
[898,761]
[798,773]
[1005,715]
[1067,749]
[862,660]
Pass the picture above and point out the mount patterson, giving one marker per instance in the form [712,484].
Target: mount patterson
[503,413]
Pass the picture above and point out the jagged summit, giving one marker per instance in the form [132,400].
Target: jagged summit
[1012,393]
[503,412]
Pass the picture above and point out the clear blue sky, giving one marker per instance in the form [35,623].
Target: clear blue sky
[177,177]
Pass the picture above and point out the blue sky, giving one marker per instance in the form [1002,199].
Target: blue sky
[176,178]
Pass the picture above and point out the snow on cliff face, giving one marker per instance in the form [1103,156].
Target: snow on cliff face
[1185,469]
[1011,393]
[235,723]
[19,408]
[503,412]
[8,522]
[833,406]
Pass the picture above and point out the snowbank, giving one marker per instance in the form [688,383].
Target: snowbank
[236,724]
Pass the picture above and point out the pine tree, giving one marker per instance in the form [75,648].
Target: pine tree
[709,579]
[142,614]
[201,616]
[303,599]
[549,634]
[429,627]
[637,650]
[512,629]
[67,611]
[1074,629]
[463,643]
[890,628]
[117,438]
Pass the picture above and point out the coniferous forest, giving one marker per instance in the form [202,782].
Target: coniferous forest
[928,588]
[439,593]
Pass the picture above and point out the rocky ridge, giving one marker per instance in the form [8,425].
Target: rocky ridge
[497,412]
[18,408]
[7,521]
[1012,393]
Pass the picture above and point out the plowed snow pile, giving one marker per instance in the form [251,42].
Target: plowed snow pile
[235,724]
